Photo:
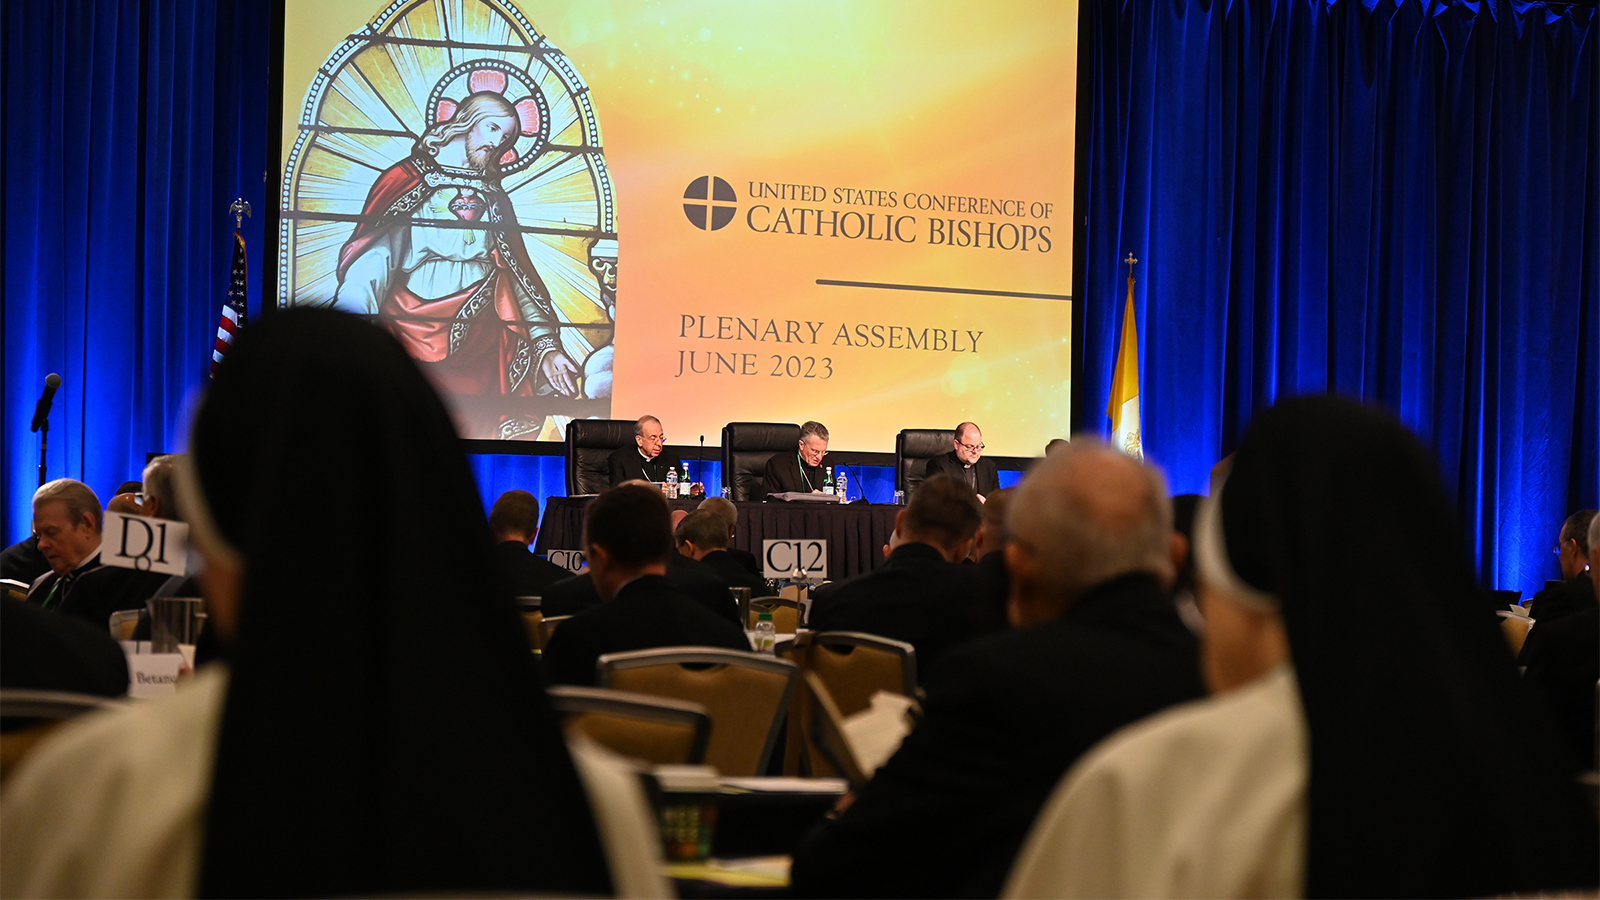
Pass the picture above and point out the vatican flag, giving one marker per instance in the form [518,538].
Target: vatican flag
[1124,406]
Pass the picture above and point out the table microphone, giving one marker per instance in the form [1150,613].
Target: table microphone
[41,411]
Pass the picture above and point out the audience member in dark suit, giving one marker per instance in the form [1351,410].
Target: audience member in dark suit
[67,518]
[23,562]
[103,590]
[643,460]
[694,580]
[1563,660]
[702,536]
[514,519]
[1097,646]
[1577,590]
[988,548]
[920,595]
[43,651]
[98,591]
[729,514]
[798,471]
[966,462]
[627,537]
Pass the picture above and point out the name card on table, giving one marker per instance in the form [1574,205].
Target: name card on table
[571,560]
[153,674]
[143,543]
[779,558]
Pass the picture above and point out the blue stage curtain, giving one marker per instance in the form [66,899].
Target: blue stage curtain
[130,127]
[1394,201]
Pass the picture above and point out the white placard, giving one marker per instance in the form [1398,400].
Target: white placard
[779,558]
[153,674]
[143,543]
[571,560]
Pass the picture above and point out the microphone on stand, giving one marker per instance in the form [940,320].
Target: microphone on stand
[41,410]
[857,476]
[700,464]
[41,419]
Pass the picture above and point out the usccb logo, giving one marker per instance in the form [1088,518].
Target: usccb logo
[709,203]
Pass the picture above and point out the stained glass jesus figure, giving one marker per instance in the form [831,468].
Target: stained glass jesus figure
[439,257]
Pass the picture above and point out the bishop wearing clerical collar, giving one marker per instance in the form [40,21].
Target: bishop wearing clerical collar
[643,459]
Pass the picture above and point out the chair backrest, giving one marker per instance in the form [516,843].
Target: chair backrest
[854,666]
[547,627]
[746,447]
[655,729]
[825,724]
[1516,629]
[913,448]
[123,623]
[747,695]
[785,613]
[589,443]
[533,619]
[14,590]
[44,710]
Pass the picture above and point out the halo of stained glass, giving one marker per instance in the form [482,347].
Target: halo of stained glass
[382,87]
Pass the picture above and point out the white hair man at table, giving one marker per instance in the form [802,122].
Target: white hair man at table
[1097,644]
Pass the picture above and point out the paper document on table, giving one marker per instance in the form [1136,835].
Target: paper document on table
[875,733]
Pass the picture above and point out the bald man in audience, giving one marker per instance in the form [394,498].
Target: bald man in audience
[1097,645]
[703,537]
[628,540]
[729,513]
[514,519]
[920,595]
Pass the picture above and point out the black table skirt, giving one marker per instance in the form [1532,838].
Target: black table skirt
[855,532]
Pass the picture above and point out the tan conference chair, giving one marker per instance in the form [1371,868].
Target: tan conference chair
[853,666]
[655,729]
[747,695]
[785,613]
[1516,629]
[123,624]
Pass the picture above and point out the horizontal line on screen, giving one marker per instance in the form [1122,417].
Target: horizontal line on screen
[940,290]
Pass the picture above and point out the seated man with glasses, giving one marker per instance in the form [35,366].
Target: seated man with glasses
[966,462]
[798,471]
[643,461]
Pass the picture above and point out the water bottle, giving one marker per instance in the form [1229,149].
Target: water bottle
[827,480]
[671,490]
[727,492]
[844,487]
[766,632]
[684,483]
[899,498]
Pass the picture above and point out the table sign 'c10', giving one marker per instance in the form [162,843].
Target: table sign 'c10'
[780,558]
[571,560]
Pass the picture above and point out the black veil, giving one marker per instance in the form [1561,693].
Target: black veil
[1432,772]
[385,729]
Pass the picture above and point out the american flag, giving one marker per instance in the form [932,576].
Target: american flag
[234,309]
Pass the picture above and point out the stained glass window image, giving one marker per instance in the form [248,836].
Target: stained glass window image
[449,179]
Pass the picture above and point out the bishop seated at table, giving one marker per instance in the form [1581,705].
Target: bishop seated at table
[798,471]
[644,459]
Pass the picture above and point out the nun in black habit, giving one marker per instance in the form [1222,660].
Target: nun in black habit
[378,725]
[1367,735]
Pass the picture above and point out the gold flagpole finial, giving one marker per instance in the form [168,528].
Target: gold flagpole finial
[1130,261]
[239,209]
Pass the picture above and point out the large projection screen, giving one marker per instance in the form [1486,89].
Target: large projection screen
[853,211]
